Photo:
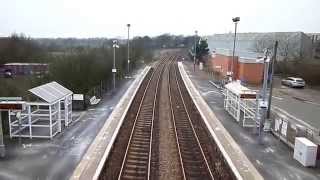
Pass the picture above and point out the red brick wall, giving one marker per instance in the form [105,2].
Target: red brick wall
[251,73]
[225,62]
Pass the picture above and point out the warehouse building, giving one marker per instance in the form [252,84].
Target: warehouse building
[247,70]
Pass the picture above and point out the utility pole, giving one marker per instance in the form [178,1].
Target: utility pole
[235,20]
[114,70]
[128,25]
[195,51]
[262,103]
[274,58]
[2,147]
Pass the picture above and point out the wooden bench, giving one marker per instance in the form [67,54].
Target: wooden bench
[94,100]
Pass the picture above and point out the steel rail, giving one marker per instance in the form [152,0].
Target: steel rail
[159,65]
[174,119]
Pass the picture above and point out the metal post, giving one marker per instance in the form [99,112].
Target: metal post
[19,123]
[59,116]
[263,96]
[234,48]
[235,20]
[30,121]
[2,147]
[114,67]
[128,25]
[271,79]
[50,121]
[195,51]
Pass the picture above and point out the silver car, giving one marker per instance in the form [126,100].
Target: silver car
[293,82]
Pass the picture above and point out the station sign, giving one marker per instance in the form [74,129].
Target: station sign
[10,98]
[248,96]
[11,106]
[12,103]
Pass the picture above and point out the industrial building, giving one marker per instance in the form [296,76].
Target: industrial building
[17,69]
[292,45]
[247,70]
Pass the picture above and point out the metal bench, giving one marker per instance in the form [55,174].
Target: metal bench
[94,100]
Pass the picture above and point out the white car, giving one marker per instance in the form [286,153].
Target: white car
[293,82]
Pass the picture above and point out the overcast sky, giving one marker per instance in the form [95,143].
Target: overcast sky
[108,18]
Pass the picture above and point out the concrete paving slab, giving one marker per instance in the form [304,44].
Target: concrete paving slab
[93,161]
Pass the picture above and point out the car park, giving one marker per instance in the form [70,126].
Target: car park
[293,82]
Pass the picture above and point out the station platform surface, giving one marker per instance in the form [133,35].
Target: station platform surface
[93,160]
[237,160]
[273,159]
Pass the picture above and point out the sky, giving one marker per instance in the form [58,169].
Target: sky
[108,18]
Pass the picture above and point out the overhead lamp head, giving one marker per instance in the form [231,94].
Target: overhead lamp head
[236,19]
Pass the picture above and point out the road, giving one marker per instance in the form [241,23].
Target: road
[304,104]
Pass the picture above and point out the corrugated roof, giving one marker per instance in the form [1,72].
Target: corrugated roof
[238,89]
[50,92]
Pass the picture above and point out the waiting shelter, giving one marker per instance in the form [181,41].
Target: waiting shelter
[240,103]
[45,117]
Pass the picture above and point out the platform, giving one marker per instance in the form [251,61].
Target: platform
[237,160]
[93,160]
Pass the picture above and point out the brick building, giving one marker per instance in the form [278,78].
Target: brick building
[247,70]
[24,68]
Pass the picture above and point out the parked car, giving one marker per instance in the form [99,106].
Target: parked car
[293,82]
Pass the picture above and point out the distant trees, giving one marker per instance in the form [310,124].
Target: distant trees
[202,50]
[80,64]
[19,48]
[289,47]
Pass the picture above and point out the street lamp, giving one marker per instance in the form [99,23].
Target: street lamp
[128,25]
[195,50]
[235,20]
[114,70]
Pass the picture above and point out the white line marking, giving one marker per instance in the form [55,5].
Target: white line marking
[293,117]
[279,98]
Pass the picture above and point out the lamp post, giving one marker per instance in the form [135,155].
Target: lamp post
[114,70]
[195,50]
[235,20]
[128,25]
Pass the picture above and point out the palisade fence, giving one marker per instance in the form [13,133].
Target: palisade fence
[282,125]
[287,128]
[102,88]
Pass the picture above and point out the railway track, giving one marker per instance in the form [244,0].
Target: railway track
[194,163]
[135,153]
[137,160]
